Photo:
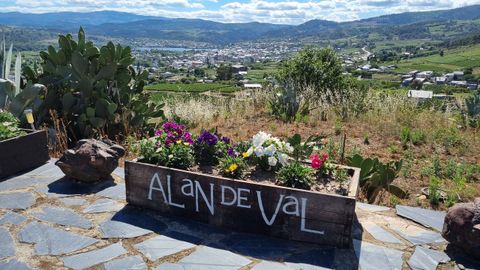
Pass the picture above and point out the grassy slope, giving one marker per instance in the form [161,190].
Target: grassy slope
[455,59]
[192,87]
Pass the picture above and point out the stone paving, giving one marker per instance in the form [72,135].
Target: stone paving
[47,222]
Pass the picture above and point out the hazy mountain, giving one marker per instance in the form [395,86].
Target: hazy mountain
[131,26]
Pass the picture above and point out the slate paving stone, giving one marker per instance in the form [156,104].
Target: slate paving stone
[427,259]
[52,241]
[161,246]
[261,247]
[14,264]
[120,172]
[103,205]
[23,182]
[74,201]
[266,265]
[129,223]
[7,247]
[208,258]
[17,200]
[371,207]
[373,257]
[130,263]
[116,192]
[317,259]
[89,259]
[12,218]
[426,217]
[62,216]
[380,234]
[66,187]
[418,236]
[48,169]
[172,266]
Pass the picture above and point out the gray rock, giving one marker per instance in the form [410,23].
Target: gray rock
[91,160]
[426,217]
[52,241]
[74,201]
[208,258]
[161,246]
[62,216]
[130,223]
[12,218]
[103,205]
[380,234]
[116,192]
[462,227]
[371,207]
[17,200]
[373,257]
[7,247]
[89,259]
[130,263]
[13,264]
[427,259]
[266,265]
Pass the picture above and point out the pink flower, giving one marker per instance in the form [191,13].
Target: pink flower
[324,156]
[317,163]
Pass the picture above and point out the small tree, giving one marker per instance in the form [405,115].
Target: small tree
[315,76]
[224,72]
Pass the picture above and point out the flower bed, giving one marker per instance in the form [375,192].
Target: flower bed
[284,188]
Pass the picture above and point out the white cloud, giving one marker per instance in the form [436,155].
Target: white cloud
[283,11]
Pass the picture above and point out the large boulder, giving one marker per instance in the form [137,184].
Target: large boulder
[91,160]
[462,227]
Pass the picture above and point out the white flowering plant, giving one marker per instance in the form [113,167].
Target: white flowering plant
[269,153]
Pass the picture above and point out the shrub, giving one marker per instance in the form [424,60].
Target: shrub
[448,138]
[434,190]
[405,136]
[9,126]
[232,167]
[338,127]
[418,137]
[296,175]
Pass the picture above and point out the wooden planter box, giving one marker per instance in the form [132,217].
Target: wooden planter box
[276,211]
[23,152]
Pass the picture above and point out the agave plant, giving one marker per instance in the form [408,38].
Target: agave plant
[9,89]
[376,176]
[472,111]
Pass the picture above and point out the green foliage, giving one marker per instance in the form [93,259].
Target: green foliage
[376,176]
[193,87]
[296,175]
[405,136]
[472,110]
[434,190]
[302,151]
[224,72]
[338,127]
[232,167]
[433,169]
[418,137]
[9,126]
[95,91]
[448,138]
[284,103]
[175,156]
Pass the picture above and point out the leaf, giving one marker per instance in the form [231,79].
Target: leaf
[97,122]
[68,100]
[79,64]
[295,140]
[106,72]
[90,112]
[397,191]
[81,39]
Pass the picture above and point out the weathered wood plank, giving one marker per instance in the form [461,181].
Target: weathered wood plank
[245,206]
[22,153]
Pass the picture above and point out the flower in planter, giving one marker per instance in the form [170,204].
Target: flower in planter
[9,126]
[232,167]
[210,146]
[296,175]
[317,161]
[269,152]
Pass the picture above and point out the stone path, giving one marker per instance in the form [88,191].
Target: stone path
[47,222]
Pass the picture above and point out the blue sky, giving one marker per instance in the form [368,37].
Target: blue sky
[272,11]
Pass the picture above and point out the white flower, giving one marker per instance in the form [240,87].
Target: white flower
[270,150]
[170,156]
[250,151]
[288,147]
[259,151]
[272,161]
[260,138]
[282,158]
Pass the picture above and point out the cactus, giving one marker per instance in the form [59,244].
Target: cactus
[95,90]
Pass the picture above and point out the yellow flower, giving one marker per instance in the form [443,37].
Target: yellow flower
[186,144]
[179,141]
[227,170]
[233,167]
[245,155]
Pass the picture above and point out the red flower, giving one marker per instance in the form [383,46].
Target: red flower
[324,156]
[317,163]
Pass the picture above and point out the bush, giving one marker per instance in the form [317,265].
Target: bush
[296,175]
[9,126]
[405,136]
[418,137]
[232,167]
[448,138]
[434,190]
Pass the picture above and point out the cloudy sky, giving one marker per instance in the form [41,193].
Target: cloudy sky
[272,11]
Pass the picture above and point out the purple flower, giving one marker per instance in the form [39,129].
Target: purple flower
[207,137]
[231,152]
[226,140]
[187,137]
[158,132]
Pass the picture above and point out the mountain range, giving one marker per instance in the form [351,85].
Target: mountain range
[125,25]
